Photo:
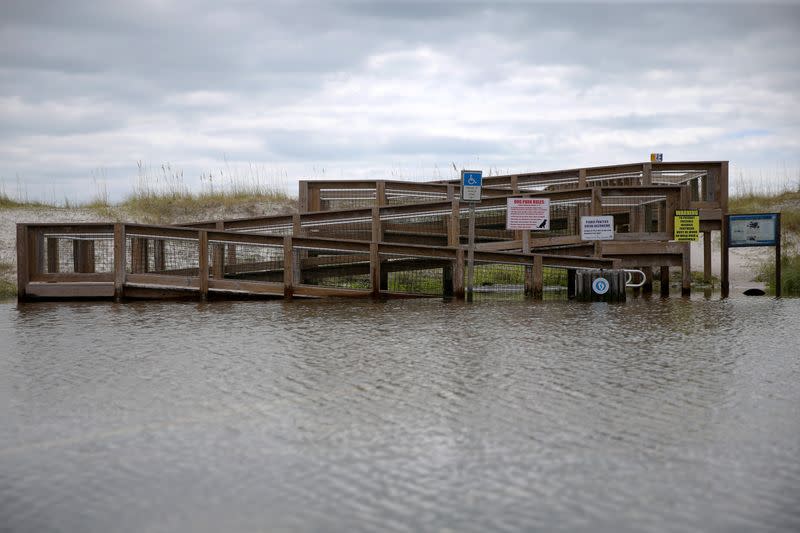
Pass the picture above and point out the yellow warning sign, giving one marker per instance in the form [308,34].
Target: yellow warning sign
[687,225]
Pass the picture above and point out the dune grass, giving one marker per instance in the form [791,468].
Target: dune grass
[8,286]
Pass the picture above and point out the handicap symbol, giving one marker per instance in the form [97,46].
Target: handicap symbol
[472,180]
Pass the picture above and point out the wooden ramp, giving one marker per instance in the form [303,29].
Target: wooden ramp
[385,239]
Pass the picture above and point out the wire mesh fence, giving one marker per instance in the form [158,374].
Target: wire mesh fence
[177,256]
[256,262]
[356,228]
[500,281]
[331,268]
[636,214]
[429,224]
[399,196]
[333,199]
[78,253]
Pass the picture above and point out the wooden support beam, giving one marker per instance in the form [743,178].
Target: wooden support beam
[647,288]
[458,274]
[380,193]
[582,179]
[724,258]
[138,255]
[686,271]
[203,263]
[119,261]
[288,267]
[52,254]
[23,264]
[664,277]
[707,273]
[302,196]
[647,174]
[538,278]
[374,269]
[83,256]
[597,201]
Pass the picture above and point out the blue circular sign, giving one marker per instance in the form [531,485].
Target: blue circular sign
[600,285]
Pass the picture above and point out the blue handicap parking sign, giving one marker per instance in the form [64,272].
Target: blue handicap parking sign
[472,179]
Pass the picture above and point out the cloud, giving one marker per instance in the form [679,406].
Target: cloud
[370,89]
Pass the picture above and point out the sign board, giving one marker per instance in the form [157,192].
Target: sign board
[598,228]
[753,230]
[600,285]
[528,214]
[471,185]
[687,225]
[656,158]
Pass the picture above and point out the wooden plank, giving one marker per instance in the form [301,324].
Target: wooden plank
[707,257]
[161,280]
[71,277]
[203,263]
[246,286]
[380,193]
[70,290]
[597,201]
[327,292]
[458,274]
[641,247]
[647,174]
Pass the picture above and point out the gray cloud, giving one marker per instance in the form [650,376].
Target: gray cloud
[363,87]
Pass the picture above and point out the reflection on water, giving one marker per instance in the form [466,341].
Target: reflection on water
[400,415]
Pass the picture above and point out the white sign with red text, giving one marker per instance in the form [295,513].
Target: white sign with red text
[528,214]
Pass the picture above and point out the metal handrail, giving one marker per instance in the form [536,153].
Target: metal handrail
[630,272]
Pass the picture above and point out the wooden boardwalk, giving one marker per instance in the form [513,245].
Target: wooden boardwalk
[385,238]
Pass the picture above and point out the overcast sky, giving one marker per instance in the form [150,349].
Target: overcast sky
[396,90]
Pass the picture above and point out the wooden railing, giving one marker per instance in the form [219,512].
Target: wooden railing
[135,260]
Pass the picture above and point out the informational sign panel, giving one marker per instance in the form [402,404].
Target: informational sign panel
[471,185]
[687,225]
[656,158]
[753,230]
[528,214]
[597,228]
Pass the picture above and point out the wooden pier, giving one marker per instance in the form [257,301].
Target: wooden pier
[378,238]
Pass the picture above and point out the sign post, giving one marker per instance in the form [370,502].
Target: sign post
[760,229]
[471,181]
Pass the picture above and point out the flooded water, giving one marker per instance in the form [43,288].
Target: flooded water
[406,415]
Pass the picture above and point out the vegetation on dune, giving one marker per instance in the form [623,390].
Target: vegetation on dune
[8,288]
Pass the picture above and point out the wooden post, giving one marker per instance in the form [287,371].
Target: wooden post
[664,275]
[52,254]
[450,192]
[119,262]
[23,264]
[458,274]
[288,267]
[203,263]
[597,201]
[83,256]
[538,277]
[582,184]
[302,196]
[707,274]
[721,189]
[647,174]
[686,271]
[159,255]
[380,193]
[778,258]
[571,283]
[454,223]
[669,215]
[647,288]
[723,274]
[138,255]
[374,269]
[447,281]
[515,184]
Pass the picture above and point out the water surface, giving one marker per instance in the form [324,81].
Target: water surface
[406,415]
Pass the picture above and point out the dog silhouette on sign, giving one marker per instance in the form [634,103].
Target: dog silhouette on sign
[543,224]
